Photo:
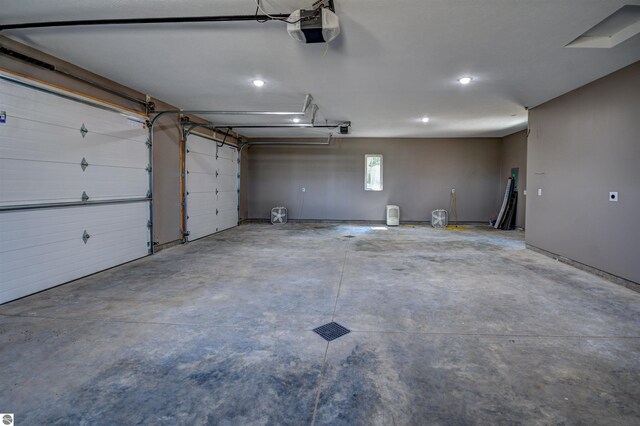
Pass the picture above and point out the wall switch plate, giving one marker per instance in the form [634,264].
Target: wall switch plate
[453,191]
[613,196]
[524,192]
[539,191]
[304,189]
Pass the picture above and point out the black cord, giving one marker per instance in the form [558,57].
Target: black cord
[308,18]
[224,139]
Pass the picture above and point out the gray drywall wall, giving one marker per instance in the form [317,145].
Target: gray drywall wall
[418,176]
[583,145]
[513,153]
[167,211]
[244,184]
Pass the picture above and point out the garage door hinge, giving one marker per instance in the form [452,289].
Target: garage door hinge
[83,130]
[84,164]
[186,233]
[238,176]
[216,191]
[85,236]
[216,173]
[149,224]
[148,168]
[148,194]
[84,196]
[216,212]
[148,143]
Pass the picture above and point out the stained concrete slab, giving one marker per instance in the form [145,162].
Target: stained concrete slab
[448,327]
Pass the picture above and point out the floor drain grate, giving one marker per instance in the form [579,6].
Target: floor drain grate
[331,331]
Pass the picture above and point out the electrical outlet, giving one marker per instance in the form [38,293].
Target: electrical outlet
[453,190]
[539,192]
[524,192]
[613,196]
[304,189]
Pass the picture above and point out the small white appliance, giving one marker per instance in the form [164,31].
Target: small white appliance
[393,215]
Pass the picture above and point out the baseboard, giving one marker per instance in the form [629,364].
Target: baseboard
[166,245]
[360,222]
[632,285]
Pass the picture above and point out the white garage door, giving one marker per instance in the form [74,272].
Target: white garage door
[73,187]
[212,187]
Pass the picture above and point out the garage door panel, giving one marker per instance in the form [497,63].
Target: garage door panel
[227,153]
[201,182]
[26,228]
[34,182]
[26,103]
[226,219]
[199,163]
[36,141]
[201,226]
[115,249]
[228,168]
[198,145]
[201,203]
[48,248]
[41,149]
[209,212]
[226,183]
[227,198]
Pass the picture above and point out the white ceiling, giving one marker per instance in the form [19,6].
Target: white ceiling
[394,62]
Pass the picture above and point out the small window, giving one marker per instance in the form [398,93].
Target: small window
[373,172]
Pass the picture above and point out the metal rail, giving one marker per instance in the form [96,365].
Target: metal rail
[78,99]
[283,143]
[307,102]
[130,21]
[20,207]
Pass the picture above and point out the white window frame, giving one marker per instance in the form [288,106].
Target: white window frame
[366,163]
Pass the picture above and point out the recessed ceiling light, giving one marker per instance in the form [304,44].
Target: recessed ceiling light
[296,120]
[465,80]
[425,119]
[258,83]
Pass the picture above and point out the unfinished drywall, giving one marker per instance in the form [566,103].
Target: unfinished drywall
[582,146]
[513,154]
[418,176]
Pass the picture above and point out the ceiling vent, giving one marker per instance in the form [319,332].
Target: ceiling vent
[613,30]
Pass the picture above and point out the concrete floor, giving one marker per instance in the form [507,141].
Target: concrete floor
[448,327]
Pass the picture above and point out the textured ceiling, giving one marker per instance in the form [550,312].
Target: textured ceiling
[394,62]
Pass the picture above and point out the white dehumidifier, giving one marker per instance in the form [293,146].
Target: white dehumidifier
[393,215]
